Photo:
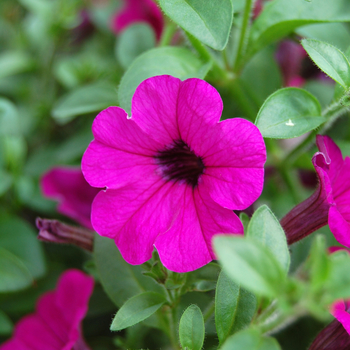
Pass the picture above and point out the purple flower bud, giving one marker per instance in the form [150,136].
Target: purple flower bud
[55,231]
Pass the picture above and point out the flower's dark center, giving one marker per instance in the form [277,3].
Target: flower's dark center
[178,163]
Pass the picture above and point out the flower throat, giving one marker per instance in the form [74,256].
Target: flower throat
[178,163]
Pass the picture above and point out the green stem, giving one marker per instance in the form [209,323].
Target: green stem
[172,320]
[242,100]
[292,183]
[167,34]
[243,35]
[209,311]
[206,57]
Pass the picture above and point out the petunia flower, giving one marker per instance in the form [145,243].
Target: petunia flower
[330,203]
[173,173]
[74,194]
[135,11]
[56,323]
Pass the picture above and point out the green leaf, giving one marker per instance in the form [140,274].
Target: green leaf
[19,238]
[13,63]
[319,264]
[6,324]
[281,17]
[133,41]
[119,279]
[288,113]
[245,220]
[137,309]
[335,33]
[175,61]
[87,99]
[338,282]
[9,121]
[14,275]
[250,264]
[265,228]
[234,307]
[5,181]
[191,328]
[329,59]
[206,20]
[252,340]
[269,75]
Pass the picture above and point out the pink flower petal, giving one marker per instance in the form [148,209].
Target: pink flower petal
[136,11]
[234,164]
[154,108]
[73,294]
[186,246]
[135,215]
[37,334]
[338,310]
[121,152]
[339,226]
[332,153]
[56,323]
[68,186]
[199,107]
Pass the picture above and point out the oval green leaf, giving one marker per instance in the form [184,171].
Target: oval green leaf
[14,275]
[19,238]
[288,113]
[252,340]
[208,21]
[87,99]
[191,328]
[6,324]
[133,41]
[250,264]
[265,228]
[119,279]
[9,121]
[329,59]
[137,309]
[234,307]
[281,17]
[175,61]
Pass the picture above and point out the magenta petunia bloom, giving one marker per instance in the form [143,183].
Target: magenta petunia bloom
[75,195]
[173,172]
[56,323]
[331,201]
[135,11]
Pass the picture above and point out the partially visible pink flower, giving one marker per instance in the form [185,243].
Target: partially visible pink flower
[258,6]
[56,323]
[335,248]
[331,201]
[290,56]
[173,172]
[340,310]
[135,11]
[74,194]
